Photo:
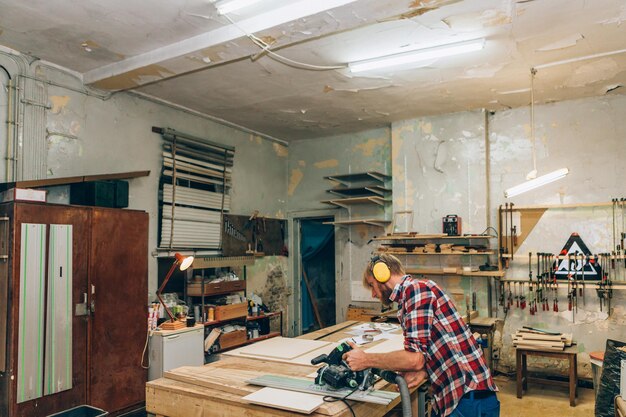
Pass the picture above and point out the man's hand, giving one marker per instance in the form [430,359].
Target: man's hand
[414,378]
[356,359]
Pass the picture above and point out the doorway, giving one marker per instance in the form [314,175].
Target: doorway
[317,273]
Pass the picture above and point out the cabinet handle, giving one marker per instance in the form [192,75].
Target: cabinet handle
[4,242]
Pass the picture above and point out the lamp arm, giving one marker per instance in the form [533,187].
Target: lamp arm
[162,287]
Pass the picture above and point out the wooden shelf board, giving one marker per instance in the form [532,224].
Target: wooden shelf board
[221,261]
[373,222]
[215,322]
[49,182]
[249,341]
[440,253]
[424,271]
[343,202]
[359,177]
[264,316]
[431,237]
[363,191]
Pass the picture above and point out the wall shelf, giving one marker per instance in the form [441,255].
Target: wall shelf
[345,202]
[371,222]
[438,253]
[348,179]
[362,191]
[409,239]
[424,271]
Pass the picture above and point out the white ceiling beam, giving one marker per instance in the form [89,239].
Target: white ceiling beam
[273,18]
[174,59]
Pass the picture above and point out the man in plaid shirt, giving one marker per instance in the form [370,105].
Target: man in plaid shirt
[438,345]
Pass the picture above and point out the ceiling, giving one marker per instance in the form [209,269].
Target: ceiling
[184,52]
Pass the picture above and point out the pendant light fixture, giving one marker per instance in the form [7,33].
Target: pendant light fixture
[532,181]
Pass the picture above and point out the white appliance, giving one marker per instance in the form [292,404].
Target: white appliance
[174,348]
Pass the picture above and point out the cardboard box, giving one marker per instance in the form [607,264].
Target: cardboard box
[231,311]
[23,194]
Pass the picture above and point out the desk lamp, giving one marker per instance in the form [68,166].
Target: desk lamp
[183,262]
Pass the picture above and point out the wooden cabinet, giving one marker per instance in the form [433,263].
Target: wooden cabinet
[73,281]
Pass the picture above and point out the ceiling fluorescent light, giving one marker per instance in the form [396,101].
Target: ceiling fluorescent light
[417,55]
[227,6]
[537,182]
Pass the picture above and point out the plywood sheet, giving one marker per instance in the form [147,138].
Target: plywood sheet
[282,348]
[299,402]
[304,359]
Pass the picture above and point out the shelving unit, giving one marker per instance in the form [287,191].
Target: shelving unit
[490,252]
[204,290]
[415,244]
[361,189]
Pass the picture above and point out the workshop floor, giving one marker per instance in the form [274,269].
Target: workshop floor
[543,400]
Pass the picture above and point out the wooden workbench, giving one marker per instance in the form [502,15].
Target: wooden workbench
[223,396]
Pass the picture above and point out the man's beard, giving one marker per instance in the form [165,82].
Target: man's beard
[386,293]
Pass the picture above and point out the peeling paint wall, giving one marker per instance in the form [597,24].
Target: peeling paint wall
[309,162]
[587,136]
[439,169]
[88,135]
[269,278]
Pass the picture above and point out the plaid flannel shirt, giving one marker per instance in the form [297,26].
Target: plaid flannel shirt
[432,326]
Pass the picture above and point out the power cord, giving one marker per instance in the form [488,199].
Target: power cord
[282,59]
[145,347]
[330,399]
[484,233]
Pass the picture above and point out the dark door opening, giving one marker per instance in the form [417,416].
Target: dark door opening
[317,281]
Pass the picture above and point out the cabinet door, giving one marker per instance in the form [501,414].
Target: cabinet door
[56,379]
[119,292]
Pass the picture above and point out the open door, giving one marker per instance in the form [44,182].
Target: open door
[317,284]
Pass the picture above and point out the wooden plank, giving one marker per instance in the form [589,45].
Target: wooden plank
[223,380]
[299,402]
[117,176]
[282,348]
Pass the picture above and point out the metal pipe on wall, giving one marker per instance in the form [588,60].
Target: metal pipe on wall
[487,170]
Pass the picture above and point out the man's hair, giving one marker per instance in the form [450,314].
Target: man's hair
[394,264]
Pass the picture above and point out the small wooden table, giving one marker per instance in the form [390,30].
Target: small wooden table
[570,354]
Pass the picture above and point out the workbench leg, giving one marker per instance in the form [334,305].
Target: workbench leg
[576,375]
[518,366]
[572,380]
[524,372]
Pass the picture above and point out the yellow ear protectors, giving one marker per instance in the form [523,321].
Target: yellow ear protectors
[380,270]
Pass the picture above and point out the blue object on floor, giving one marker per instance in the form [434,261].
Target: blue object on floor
[81,411]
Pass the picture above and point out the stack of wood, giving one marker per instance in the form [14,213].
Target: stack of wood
[541,340]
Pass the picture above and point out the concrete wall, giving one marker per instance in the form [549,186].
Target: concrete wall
[90,135]
[587,136]
[439,168]
[309,162]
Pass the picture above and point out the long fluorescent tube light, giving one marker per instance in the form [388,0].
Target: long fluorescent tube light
[537,182]
[227,6]
[418,55]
